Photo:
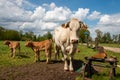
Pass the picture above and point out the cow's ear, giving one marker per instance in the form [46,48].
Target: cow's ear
[81,24]
[30,42]
[65,25]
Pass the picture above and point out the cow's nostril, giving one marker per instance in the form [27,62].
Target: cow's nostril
[74,41]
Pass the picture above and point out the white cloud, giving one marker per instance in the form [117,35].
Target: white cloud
[16,14]
[38,13]
[104,19]
[57,14]
[9,11]
[108,23]
[52,5]
[81,13]
[95,15]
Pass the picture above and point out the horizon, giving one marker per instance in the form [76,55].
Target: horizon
[41,16]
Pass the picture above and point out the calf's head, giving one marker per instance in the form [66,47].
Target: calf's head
[6,42]
[29,44]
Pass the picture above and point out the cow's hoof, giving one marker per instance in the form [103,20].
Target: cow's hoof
[63,59]
[36,61]
[66,69]
[71,71]
[47,62]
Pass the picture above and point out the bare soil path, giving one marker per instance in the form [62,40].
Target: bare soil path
[113,49]
[116,50]
[38,71]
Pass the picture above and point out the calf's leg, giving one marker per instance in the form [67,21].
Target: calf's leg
[47,56]
[11,54]
[19,51]
[14,53]
[37,56]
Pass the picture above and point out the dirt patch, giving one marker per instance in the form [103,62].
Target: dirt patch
[38,71]
[116,50]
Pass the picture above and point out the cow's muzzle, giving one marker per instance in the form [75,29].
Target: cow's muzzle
[73,41]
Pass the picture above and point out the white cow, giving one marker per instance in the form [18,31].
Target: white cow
[66,38]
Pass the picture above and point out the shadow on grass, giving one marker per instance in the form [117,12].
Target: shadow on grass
[117,75]
[23,56]
[77,64]
[52,61]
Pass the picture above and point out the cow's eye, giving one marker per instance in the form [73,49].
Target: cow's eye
[70,29]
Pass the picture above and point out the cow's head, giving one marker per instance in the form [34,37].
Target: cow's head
[29,44]
[74,26]
[6,42]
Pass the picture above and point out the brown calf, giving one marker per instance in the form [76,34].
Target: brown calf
[38,46]
[13,45]
[101,53]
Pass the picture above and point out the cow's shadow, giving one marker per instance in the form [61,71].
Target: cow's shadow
[77,64]
[22,55]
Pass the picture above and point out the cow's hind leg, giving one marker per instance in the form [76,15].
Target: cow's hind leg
[56,52]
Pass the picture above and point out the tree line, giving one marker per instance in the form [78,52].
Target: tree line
[7,34]
[107,37]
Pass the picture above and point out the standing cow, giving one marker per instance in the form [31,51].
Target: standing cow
[13,45]
[66,38]
[45,45]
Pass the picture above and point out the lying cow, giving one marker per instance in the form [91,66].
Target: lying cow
[39,46]
[66,38]
[13,45]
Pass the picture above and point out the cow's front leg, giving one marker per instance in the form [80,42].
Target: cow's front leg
[65,62]
[71,63]
[65,58]
[71,53]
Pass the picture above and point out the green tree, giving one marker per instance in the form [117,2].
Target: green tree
[107,38]
[1,32]
[99,34]
[83,35]
[11,35]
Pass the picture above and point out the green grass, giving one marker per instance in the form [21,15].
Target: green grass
[28,58]
[104,72]
[110,45]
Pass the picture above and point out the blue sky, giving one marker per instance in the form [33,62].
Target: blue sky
[105,6]
[41,16]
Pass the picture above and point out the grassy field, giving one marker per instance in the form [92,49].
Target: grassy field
[27,57]
[110,45]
